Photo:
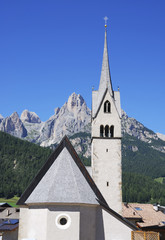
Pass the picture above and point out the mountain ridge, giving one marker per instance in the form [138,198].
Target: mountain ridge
[73,117]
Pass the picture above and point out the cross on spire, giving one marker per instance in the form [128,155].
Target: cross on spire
[105,19]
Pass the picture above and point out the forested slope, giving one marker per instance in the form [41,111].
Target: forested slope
[19,162]
[140,157]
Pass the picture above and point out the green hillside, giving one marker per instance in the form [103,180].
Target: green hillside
[142,189]
[19,162]
[145,160]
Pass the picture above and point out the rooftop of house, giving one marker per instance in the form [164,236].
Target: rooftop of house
[146,215]
[9,225]
[9,213]
[5,204]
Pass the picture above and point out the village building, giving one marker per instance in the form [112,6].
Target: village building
[9,222]
[146,217]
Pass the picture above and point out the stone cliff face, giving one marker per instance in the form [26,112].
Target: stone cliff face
[1,118]
[13,125]
[161,136]
[73,117]
[134,128]
[30,117]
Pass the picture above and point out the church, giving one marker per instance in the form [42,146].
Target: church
[64,201]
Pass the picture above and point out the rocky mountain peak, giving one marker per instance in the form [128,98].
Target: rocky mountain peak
[30,117]
[134,128]
[14,126]
[72,117]
[14,116]
[75,102]
[1,118]
[56,110]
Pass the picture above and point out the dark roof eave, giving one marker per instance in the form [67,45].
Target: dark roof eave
[134,218]
[151,227]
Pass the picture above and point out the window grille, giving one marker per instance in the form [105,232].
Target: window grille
[140,235]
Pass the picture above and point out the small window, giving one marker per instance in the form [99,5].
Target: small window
[138,208]
[107,150]
[63,221]
[107,107]
[107,184]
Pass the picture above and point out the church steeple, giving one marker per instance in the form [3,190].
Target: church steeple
[105,79]
[106,137]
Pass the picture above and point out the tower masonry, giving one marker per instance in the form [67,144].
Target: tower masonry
[106,137]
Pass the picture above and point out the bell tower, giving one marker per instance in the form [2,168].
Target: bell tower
[106,137]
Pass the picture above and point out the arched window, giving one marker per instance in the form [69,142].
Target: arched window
[107,107]
[101,131]
[112,131]
[106,131]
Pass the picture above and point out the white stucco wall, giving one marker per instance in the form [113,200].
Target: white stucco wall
[106,168]
[33,224]
[70,232]
[114,229]
[87,223]
[39,222]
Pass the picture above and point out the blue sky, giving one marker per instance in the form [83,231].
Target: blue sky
[50,49]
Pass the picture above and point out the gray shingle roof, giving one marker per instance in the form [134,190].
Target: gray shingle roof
[63,179]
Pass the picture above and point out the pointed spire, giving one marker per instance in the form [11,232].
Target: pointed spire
[105,80]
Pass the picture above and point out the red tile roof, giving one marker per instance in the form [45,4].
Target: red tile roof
[145,214]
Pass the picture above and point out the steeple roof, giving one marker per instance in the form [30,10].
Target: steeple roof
[105,79]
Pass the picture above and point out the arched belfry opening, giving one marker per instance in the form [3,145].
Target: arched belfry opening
[101,131]
[106,131]
[107,107]
[112,131]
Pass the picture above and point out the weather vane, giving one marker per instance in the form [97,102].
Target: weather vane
[105,18]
